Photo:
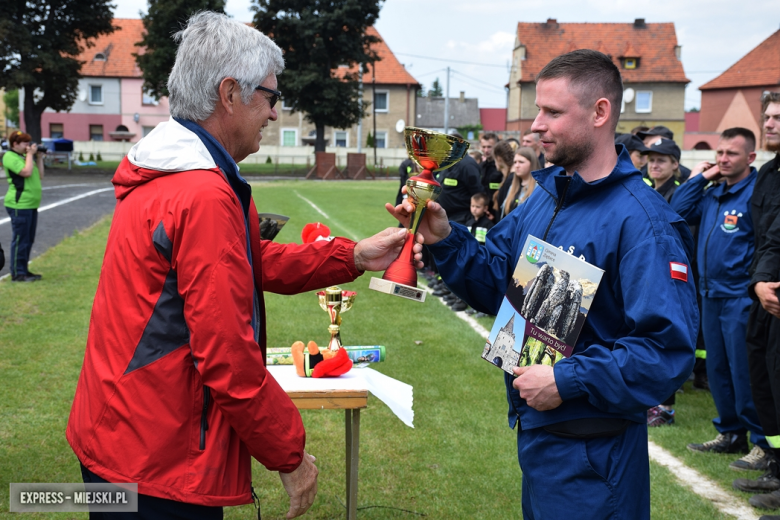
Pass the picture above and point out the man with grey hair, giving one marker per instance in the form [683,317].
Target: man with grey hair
[582,422]
[173,393]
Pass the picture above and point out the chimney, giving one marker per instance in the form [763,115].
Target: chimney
[639,23]
[462,96]
[551,23]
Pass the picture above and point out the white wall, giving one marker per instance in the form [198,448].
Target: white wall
[115,151]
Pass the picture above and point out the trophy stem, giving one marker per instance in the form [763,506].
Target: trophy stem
[402,269]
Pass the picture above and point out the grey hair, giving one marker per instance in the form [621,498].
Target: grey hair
[211,48]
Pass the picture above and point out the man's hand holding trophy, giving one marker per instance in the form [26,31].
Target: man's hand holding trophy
[433,152]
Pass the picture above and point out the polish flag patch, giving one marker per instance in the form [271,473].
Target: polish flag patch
[678,271]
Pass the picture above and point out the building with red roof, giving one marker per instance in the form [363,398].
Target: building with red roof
[388,86]
[111,104]
[734,98]
[647,55]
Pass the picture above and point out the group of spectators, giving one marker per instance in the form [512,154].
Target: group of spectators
[734,214]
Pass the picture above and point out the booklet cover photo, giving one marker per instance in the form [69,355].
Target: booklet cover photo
[544,308]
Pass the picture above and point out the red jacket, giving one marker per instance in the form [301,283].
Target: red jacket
[173,393]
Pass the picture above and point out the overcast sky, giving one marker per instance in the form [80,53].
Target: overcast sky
[428,36]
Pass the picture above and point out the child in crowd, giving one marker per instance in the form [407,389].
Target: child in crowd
[479,223]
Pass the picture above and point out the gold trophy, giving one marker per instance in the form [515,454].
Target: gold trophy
[335,302]
[433,152]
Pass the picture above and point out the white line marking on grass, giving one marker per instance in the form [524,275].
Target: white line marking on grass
[64,201]
[688,477]
[59,187]
[479,329]
[351,235]
[701,485]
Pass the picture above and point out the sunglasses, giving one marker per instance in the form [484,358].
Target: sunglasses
[274,98]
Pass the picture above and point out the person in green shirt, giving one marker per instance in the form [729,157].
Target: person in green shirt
[23,166]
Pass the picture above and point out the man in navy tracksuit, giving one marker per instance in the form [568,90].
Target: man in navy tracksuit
[725,252]
[581,424]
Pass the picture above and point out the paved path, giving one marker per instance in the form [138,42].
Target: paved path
[70,202]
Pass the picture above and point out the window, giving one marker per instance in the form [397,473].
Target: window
[96,94]
[630,63]
[146,130]
[100,57]
[381,139]
[56,130]
[381,101]
[95,132]
[289,137]
[148,99]
[285,106]
[644,102]
[341,139]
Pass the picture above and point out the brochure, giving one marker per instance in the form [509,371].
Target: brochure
[544,309]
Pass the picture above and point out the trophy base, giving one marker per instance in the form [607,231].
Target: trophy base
[397,289]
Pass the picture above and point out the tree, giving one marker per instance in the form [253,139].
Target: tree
[40,41]
[161,22]
[11,100]
[435,90]
[317,36]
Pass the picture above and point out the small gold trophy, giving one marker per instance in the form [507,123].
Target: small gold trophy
[334,301]
[433,152]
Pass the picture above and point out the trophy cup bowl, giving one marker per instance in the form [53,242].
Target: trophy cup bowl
[433,152]
[335,302]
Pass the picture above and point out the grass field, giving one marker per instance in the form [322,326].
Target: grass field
[247,169]
[458,462]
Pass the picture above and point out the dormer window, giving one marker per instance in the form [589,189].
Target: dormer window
[100,57]
[630,63]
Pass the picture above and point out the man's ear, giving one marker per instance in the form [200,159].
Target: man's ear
[602,112]
[751,157]
[229,94]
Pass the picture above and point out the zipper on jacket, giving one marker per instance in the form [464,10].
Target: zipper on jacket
[557,208]
[706,242]
[204,423]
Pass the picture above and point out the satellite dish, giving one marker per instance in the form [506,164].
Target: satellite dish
[82,95]
[399,126]
[628,95]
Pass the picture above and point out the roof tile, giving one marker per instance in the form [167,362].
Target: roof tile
[389,71]
[654,44]
[118,47]
[759,67]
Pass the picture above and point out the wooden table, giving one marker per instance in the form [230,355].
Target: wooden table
[349,393]
[351,401]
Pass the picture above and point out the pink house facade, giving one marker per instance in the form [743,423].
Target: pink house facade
[111,104]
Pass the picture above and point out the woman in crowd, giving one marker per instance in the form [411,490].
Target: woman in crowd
[24,170]
[522,183]
[663,166]
[503,154]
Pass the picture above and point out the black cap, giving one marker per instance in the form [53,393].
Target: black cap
[631,142]
[657,130]
[664,147]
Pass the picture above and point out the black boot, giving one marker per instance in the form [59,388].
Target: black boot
[766,483]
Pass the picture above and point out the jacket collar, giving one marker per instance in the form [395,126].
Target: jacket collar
[223,160]
[719,191]
[554,179]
